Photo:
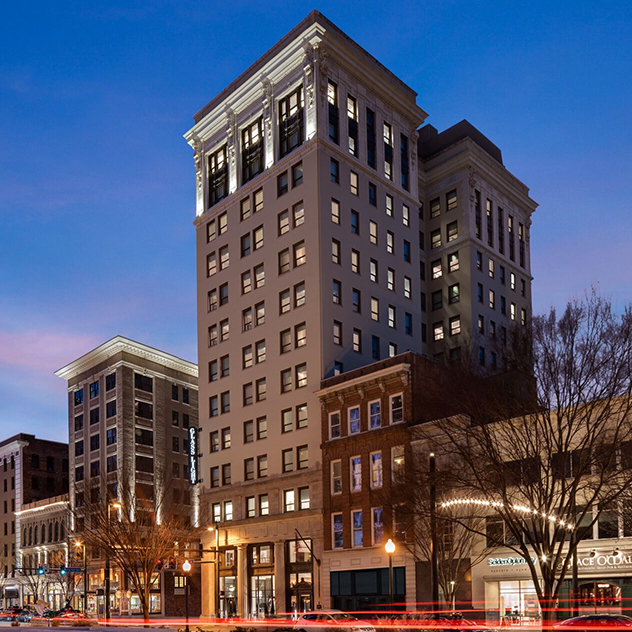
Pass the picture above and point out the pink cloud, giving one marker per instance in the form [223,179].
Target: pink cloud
[42,351]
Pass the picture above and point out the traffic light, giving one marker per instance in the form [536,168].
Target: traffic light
[62,570]
[41,570]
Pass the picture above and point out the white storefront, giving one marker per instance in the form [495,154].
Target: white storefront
[502,584]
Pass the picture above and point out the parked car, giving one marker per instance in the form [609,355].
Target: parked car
[595,623]
[329,620]
[439,622]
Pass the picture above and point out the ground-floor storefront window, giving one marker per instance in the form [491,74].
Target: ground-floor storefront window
[228,596]
[262,596]
[367,589]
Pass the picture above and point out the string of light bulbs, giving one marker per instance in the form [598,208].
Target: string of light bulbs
[494,504]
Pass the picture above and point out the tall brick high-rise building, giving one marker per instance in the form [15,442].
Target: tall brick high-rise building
[332,231]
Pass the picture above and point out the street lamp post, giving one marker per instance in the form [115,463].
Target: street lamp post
[85,576]
[107,562]
[452,583]
[186,567]
[218,611]
[390,549]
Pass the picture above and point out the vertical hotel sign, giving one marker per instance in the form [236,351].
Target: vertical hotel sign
[193,456]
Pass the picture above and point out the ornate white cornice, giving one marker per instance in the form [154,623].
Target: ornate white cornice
[121,344]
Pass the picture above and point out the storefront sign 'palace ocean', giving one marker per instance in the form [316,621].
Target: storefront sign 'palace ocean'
[592,561]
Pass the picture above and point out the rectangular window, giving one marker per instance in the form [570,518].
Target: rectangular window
[262,466]
[390,242]
[252,150]
[258,198]
[375,461]
[356,300]
[302,457]
[301,375]
[435,207]
[356,521]
[287,460]
[435,238]
[335,251]
[284,301]
[337,531]
[334,115]
[454,293]
[490,223]
[355,261]
[299,254]
[249,469]
[437,271]
[375,309]
[352,124]
[354,420]
[392,317]
[337,292]
[282,184]
[373,232]
[353,182]
[453,262]
[300,335]
[455,325]
[250,507]
[298,215]
[334,171]
[356,473]
[355,222]
[372,194]
[218,176]
[244,211]
[337,333]
[283,221]
[357,341]
[211,233]
[397,408]
[297,174]
[388,150]
[334,425]
[373,271]
[94,390]
[452,231]
[398,463]
[370,138]
[301,416]
[224,258]
[378,525]
[335,211]
[290,122]
[404,163]
[286,380]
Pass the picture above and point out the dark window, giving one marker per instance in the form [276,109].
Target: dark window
[110,381]
[282,184]
[95,469]
[110,438]
[334,171]
[144,464]
[94,390]
[144,409]
[404,161]
[291,122]
[334,114]
[297,174]
[94,416]
[375,347]
[79,448]
[94,442]
[174,392]
[78,423]
[79,397]
[143,382]
[185,395]
[217,176]
[372,194]
[370,138]
[252,150]
[352,115]
[110,409]
[144,436]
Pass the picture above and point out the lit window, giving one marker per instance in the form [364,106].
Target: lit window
[301,375]
[224,259]
[284,301]
[355,262]
[337,292]
[397,408]
[300,335]
[376,469]
[356,523]
[288,500]
[435,207]
[299,254]
[390,279]
[336,477]
[353,181]
[455,325]
[437,331]
[299,294]
[436,269]
[373,232]
[298,213]
[391,316]
[453,262]
[337,531]
[373,275]
[357,340]
[335,251]
[335,211]
[375,309]
[389,205]
[378,525]
[337,333]
[390,242]
[286,381]
[407,287]
[284,222]
[405,215]
[356,473]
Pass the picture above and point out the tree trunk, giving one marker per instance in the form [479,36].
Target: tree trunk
[547,605]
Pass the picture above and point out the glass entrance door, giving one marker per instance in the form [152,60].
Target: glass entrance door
[261,596]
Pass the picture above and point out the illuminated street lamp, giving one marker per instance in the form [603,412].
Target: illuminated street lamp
[217,608]
[452,583]
[186,567]
[390,549]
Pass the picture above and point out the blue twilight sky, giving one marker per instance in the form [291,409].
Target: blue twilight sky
[96,181]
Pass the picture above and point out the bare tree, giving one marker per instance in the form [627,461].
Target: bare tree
[456,532]
[137,533]
[552,471]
